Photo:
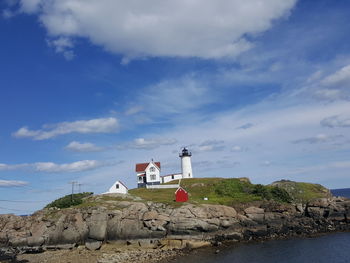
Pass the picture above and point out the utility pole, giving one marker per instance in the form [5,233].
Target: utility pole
[72,183]
[79,185]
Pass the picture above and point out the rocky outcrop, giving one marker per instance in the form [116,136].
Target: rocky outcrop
[159,225]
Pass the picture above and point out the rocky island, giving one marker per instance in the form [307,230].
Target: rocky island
[147,225]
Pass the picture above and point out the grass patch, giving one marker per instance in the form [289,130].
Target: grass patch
[216,190]
[303,192]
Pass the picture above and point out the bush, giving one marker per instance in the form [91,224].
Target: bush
[231,187]
[281,195]
[239,190]
[262,191]
[69,200]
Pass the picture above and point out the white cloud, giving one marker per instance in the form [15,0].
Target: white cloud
[210,145]
[198,28]
[339,78]
[83,147]
[63,45]
[317,168]
[236,148]
[319,138]
[50,167]
[175,96]
[30,6]
[335,86]
[133,110]
[103,125]
[147,144]
[336,121]
[6,183]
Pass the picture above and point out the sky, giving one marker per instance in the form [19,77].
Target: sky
[257,89]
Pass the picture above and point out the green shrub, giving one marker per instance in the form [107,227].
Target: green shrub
[281,195]
[231,187]
[69,200]
[262,191]
[242,191]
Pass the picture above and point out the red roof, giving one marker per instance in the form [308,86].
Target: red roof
[141,167]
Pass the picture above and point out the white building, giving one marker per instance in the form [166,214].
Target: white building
[118,188]
[148,174]
[186,168]
[186,165]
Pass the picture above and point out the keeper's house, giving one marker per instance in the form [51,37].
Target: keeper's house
[148,174]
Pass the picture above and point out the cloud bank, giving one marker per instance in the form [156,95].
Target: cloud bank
[102,125]
[75,146]
[6,183]
[50,167]
[198,28]
[146,144]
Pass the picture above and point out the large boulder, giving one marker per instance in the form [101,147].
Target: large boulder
[220,211]
[189,226]
[97,225]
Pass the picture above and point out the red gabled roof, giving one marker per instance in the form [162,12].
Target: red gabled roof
[141,167]
[180,189]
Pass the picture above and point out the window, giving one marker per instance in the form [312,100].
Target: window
[172,177]
[117,186]
[140,178]
[153,177]
[152,169]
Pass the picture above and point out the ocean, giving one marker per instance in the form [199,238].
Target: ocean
[341,192]
[328,248]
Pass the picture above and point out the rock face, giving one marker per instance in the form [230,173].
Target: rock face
[145,223]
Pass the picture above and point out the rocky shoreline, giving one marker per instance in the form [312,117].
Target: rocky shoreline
[125,231]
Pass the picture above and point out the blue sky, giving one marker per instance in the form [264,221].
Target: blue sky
[254,88]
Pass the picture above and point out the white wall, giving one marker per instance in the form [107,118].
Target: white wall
[149,172]
[186,167]
[166,179]
[162,186]
[117,188]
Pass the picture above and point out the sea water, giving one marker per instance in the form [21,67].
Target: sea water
[328,248]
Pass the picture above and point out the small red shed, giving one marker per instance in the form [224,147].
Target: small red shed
[181,195]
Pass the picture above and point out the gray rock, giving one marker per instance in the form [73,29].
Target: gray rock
[93,245]
[254,210]
[150,215]
[97,225]
[35,241]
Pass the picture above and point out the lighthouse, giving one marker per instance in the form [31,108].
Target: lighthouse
[186,163]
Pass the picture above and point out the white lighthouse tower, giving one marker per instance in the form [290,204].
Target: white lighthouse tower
[186,163]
